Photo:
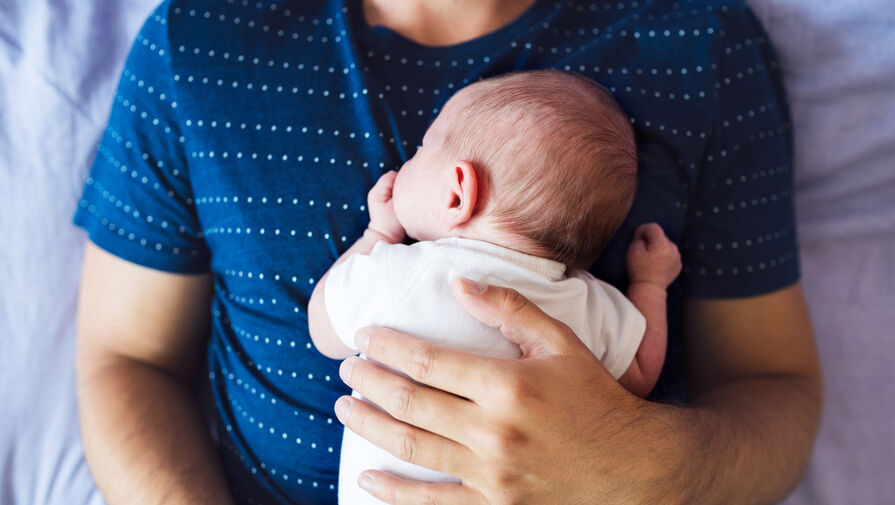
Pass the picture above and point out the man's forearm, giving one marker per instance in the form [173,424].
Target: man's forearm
[749,440]
[144,438]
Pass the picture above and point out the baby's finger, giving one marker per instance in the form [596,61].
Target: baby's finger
[382,190]
[637,245]
[650,232]
[386,181]
[388,177]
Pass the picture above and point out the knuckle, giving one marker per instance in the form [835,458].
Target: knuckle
[513,297]
[405,446]
[515,498]
[427,498]
[513,300]
[357,380]
[387,494]
[512,388]
[401,401]
[358,421]
[378,343]
[504,440]
[421,363]
[505,479]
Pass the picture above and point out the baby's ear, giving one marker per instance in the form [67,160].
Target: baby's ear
[463,195]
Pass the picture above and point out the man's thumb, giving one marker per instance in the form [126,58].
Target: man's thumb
[520,320]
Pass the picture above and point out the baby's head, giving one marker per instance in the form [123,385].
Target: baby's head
[542,161]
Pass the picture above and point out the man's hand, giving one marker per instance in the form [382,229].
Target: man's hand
[382,211]
[652,257]
[552,427]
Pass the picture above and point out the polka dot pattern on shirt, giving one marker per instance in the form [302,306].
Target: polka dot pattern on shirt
[244,137]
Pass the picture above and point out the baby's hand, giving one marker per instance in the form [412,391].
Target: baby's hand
[652,257]
[382,212]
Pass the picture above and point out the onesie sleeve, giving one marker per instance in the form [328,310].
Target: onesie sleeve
[137,202]
[619,328]
[740,238]
[364,289]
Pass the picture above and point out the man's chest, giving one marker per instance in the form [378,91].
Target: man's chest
[283,144]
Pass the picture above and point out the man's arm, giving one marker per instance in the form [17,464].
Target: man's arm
[140,335]
[553,427]
[757,396]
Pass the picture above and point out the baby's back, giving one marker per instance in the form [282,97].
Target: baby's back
[409,289]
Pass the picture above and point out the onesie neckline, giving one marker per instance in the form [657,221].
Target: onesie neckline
[552,269]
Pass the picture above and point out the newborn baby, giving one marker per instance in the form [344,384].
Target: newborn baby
[520,181]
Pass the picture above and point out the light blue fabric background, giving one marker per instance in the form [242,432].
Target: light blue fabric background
[60,61]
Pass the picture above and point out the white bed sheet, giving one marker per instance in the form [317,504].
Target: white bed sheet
[59,63]
[838,60]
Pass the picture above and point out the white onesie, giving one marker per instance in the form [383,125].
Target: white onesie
[408,288]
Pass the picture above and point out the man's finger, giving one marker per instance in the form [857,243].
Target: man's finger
[406,442]
[456,372]
[430,409]
[397,491]
[520,321]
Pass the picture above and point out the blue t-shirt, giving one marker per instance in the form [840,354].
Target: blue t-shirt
[244,137]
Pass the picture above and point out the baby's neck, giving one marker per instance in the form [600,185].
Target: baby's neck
[495,235]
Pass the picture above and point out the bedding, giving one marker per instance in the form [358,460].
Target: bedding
[838,62]
[60,61]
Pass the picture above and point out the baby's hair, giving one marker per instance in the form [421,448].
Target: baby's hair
[556,155]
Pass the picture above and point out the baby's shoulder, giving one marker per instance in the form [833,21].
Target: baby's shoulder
[596,287]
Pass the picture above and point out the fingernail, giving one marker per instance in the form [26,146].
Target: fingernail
[345,369]
[342,408]
[472,287]
[366,481]
[362,339]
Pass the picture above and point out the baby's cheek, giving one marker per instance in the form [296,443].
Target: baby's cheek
[399,205]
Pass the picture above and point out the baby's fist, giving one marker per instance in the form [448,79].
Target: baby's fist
[652,257]
[382,212]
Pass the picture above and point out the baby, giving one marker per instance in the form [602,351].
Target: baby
[520,181]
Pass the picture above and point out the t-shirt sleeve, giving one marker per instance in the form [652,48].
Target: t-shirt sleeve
[137,202]
[621,329]
[740,238]
[365,289]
